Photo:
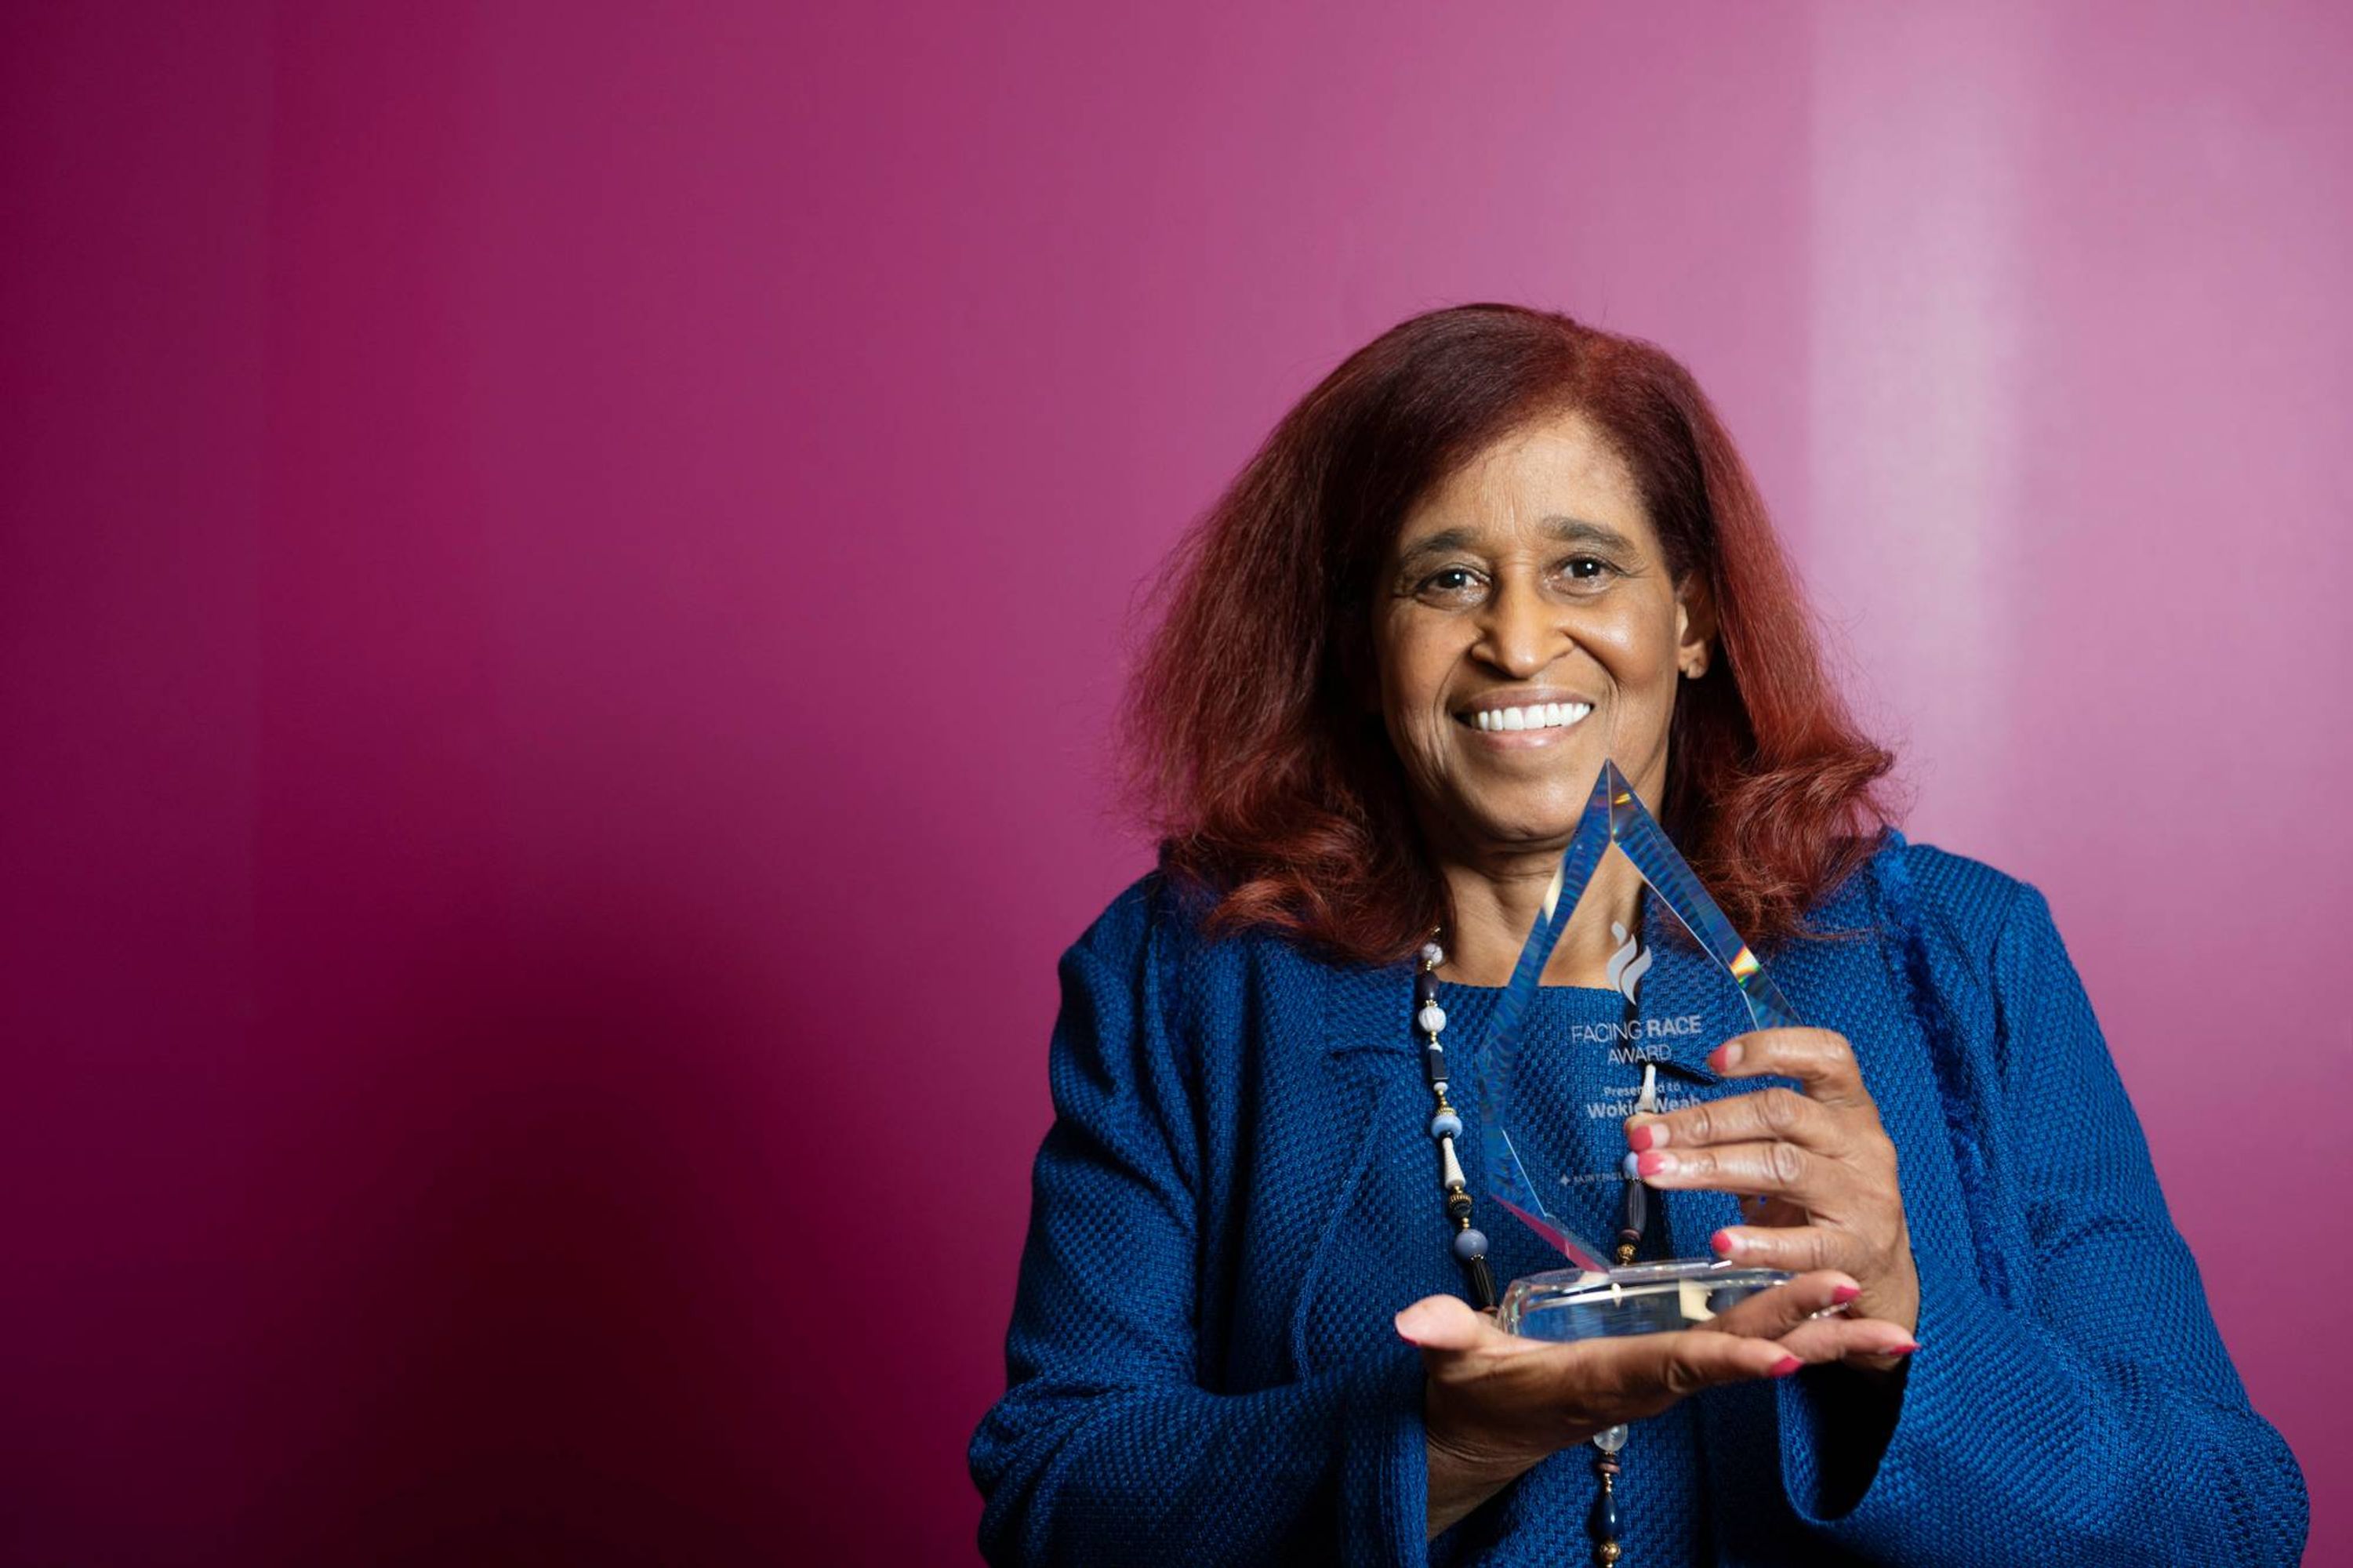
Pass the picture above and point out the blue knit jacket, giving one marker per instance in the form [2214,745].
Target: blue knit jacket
[1238,1194]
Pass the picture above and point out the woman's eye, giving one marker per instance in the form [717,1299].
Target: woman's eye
[1448,583]
[1588,570]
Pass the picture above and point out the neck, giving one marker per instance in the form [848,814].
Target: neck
[1497,904]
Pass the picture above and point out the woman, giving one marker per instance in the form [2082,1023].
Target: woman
[1490,551]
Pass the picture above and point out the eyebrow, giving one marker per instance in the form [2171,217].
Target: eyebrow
[1566,529]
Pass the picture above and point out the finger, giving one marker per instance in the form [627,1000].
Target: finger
[1796,1249]
[1774,1170]
[1845,1339]
[1764,1115]
[1445,1325]
[1641,1369]
[1772,1313]
[1819,1060]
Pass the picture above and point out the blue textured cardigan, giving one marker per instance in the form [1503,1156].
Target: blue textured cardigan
[1238,1194]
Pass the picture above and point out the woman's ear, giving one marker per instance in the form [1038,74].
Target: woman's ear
[1695,626]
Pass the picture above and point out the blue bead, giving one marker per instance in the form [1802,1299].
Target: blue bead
[1628,1165]
[1469,1244]
[1446,1124]
[1605,1517]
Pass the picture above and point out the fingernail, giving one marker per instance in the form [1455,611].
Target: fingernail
[1405,1332]
[1726,1057]
[1846,1292]
[1722,1241]
[1785,1366]
[1651,1164]
[1646,1137]
[1905,1348]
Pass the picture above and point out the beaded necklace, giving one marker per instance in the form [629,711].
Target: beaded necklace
[1470,1244]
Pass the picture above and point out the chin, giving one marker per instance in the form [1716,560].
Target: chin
[1550,823]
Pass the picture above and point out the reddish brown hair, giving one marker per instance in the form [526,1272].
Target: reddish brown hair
[1275,794]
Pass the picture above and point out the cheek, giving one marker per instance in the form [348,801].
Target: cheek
[1638,650]
[1413,666]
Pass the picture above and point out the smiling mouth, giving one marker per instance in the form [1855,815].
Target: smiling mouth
[1531,716]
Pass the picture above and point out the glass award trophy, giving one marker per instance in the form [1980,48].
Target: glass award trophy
[1696,995]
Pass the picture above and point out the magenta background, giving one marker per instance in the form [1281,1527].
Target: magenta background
[566,570]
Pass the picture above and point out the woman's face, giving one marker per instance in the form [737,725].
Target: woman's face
[1525,627]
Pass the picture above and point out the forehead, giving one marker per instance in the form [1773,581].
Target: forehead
[1556,467]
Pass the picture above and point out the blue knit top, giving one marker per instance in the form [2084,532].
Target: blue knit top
[1238,1193]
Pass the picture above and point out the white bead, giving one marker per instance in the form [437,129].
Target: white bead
[1611,1439]
[1433,954]
[1431,1019]
[1628,1165]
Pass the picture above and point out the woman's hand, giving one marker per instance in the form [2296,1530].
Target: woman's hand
[1494,1404]
[1818,1160]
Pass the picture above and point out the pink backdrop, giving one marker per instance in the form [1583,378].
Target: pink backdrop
[564,573]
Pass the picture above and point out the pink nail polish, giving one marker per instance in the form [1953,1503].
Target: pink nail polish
[1650,1165]
[1846,1292]
[1785,1366]
[1638,1138]
[1721,1242]
[1905,1348]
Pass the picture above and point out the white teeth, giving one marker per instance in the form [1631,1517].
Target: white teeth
[1536,716]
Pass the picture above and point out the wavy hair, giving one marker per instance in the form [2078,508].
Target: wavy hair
[1269,790]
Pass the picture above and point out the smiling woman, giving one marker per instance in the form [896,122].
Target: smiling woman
[1248,719]
[1498,638]
[1490,552]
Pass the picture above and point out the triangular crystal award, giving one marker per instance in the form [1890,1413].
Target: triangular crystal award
[1681,1000]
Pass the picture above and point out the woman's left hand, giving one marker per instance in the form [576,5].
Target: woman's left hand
[1818,1159]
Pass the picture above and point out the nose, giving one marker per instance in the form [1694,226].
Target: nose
[1520,634]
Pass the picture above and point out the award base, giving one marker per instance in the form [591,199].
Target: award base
[1638,1298]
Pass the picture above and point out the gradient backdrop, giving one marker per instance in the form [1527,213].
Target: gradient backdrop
[566,568]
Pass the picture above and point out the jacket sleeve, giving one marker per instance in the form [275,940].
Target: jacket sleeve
[1106,1446]
[2101,1422]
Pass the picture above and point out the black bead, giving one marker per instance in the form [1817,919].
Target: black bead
[1433,1063]
[1635,1217]
[1482,1282]
[1605,1516]
[1425,987]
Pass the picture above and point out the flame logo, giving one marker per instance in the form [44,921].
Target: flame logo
[1628,964]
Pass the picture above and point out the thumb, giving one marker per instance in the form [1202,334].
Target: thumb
[1443,1323]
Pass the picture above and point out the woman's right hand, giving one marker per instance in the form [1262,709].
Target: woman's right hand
[1496,1403]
